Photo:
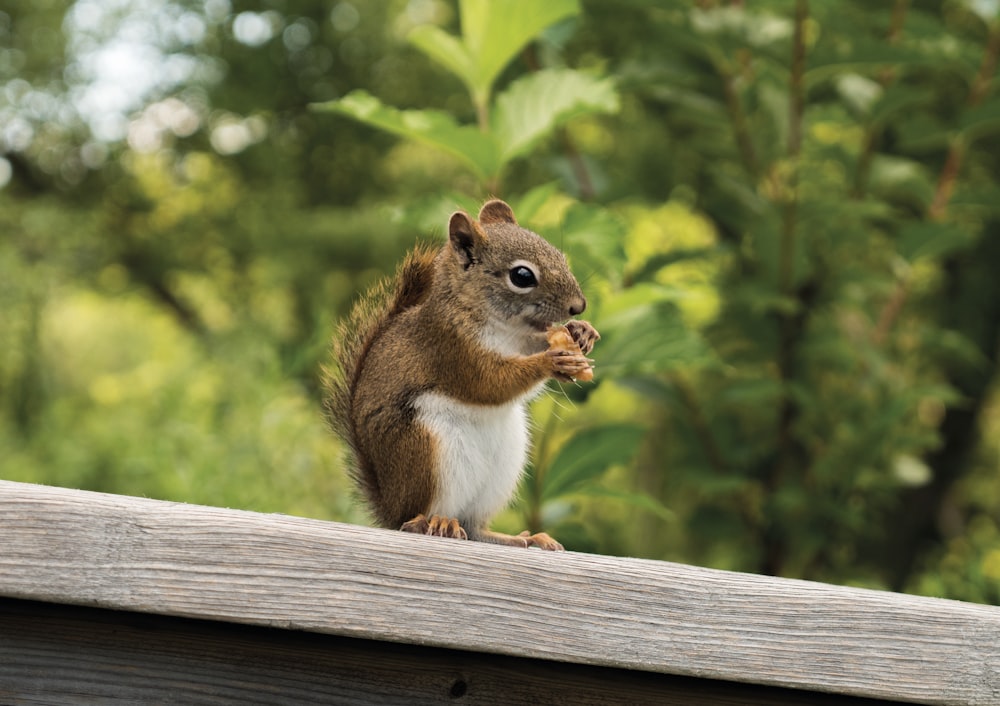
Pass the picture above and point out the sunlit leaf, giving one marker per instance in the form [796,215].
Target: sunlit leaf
[859,92]
[760,29]
[529,204]
[538,103]
[649,336]
[494,32]
[912,471]
[592,238]
[901,179]
[988,10]
[445,49]
[478,150]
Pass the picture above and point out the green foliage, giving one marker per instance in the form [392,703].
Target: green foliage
[528,111]
[783,213]
[492,33]
[587,455]
[479,151]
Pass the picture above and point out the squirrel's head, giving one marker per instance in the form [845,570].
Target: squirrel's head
[525,281]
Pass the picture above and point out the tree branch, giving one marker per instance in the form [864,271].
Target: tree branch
[947,180]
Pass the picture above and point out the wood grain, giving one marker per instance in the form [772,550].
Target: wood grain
[134,554]
[55,654]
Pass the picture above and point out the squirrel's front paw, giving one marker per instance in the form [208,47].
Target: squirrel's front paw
[568,361]
[567,365]
[584,334]
[435,526]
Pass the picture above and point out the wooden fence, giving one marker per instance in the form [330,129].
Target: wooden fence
[107,597]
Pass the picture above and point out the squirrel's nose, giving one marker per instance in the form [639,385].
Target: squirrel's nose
[576,308]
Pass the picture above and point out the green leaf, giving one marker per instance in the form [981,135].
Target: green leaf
[538,103]
[435,128]
[592,238]
[492,34]
[982,121]
[859,92]
[759,393]
[759,29]
[528,205]
[588,454]
[643,333]
[445,49]
[643,501]
[988,10]
[657,262]
[900,179]
[927,241]
[865,56]
[922,134]
[897,99]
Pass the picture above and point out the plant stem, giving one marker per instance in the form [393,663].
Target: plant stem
[956,149]
[573,156]
[741,132]
[899,9]
[702,429]
[579,167]
[482,103]
[796,110]
[791,324]
[947,179]
[873,131]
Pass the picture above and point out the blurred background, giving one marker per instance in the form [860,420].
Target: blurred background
[785,215]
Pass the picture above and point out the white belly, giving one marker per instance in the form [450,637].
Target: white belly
[481,454]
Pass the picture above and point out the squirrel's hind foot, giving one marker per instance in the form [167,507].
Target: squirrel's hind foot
[435,526]
[524,540]
[542,540]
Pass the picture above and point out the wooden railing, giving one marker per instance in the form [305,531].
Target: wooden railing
[110,597]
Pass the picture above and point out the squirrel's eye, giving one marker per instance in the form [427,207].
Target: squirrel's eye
[522,277]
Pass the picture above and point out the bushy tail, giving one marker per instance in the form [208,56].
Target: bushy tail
[369,317]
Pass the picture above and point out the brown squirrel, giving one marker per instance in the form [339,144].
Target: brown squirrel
[436,367]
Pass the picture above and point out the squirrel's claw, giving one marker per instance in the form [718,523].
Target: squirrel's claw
[541,540]
[568,348]
[568,363]
[435,526]
[584,334]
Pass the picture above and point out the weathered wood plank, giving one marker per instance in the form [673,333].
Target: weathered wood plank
[55,654]
[149,556]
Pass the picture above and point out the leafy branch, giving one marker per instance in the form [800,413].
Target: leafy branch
[948,176]
[513,123]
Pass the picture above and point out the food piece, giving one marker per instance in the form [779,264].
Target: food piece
[560,338]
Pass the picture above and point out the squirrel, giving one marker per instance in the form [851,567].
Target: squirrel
[437,365]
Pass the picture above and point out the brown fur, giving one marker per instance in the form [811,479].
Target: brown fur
[420,332]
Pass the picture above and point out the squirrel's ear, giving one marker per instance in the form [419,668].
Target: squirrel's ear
[496,211]
[466,237]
